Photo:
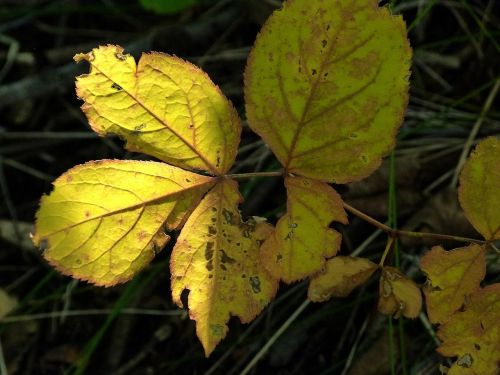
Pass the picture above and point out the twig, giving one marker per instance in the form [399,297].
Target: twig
[239,176]
[406,233]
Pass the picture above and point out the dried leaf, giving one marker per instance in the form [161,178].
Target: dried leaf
[303,240]
[217,258]
[398,294]
[324,81]
[452,276]
[163,106]
[479,188]
[473,335]
[105,219]
[341,276]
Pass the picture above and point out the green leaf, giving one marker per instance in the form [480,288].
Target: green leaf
[105,220]
[326,86]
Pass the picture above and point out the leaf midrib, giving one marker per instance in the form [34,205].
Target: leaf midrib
[132,207]
[209,165]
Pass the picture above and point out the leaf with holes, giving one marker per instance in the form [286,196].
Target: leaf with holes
[479,187]
[452,277]
[473,335]
[398,295]
[217,259]
[105,220]
[303,240]
[324,81]
[163,106]
[341,275]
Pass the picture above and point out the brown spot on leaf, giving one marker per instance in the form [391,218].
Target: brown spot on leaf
[142,235]
[87,214]
[228,216]
[209,251]
[120,56]
[116,86]
[226,258]
[255,283]
[212,230]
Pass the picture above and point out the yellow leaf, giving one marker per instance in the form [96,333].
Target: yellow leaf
[473,335]
[217,258]
[453,275]
[163,106]
[104,220]
[341,276]
[398,295]
[324,82]
[479,188]
[303,240]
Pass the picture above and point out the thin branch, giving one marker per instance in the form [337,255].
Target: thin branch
[241,176]
[406,233]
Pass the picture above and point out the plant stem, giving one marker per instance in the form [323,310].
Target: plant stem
[406,233]
[240,176]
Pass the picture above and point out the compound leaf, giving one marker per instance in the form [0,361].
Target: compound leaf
[105,220]
[324,81]
[473,335]
[398,295]
[341,275]
[302,240]
[217,258]
[479,187]
[452,276]
[163,106]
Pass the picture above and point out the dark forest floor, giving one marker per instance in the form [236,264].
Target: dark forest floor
[135,328]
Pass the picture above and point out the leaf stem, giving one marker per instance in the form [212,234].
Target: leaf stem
[241,176]
[398,232]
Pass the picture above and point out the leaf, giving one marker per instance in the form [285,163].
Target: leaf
[303,240]
[479,186]
[341,276]
[217,258]
[453,275]
[163,106]
[473,335]
[7,303]
[168,6]
[324,81]
[105,219]
[398,294]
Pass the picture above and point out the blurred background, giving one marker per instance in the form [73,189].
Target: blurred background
[51,324]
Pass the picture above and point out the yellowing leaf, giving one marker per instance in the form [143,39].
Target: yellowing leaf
[326,86]
[453,275]
[473,335]
[341,276]
[163,106]
[217,258]
[303,240]
[104,221]
[398,294]
[479,188]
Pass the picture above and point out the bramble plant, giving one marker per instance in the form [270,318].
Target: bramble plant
[326,87]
